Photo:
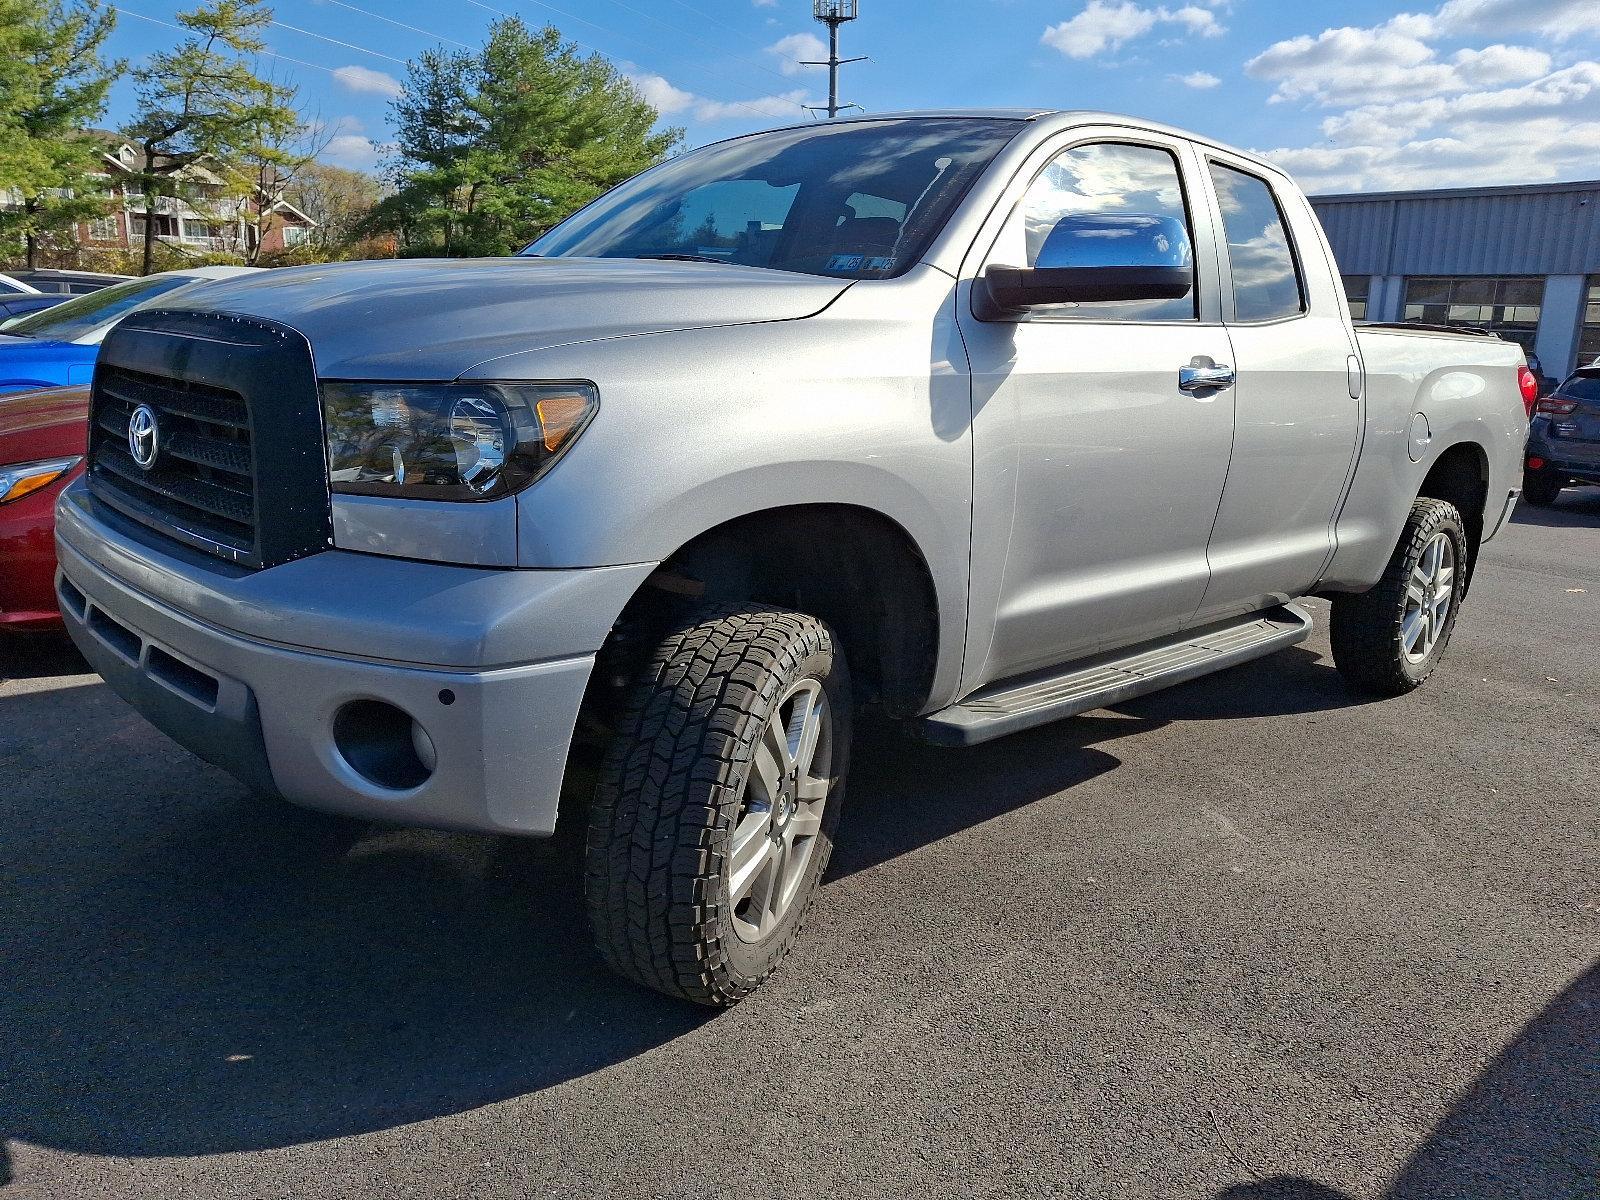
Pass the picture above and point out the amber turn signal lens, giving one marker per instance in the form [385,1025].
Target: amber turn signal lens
[24,479]
[559,416]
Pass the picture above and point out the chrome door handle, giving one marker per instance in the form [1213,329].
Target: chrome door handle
[1204,378]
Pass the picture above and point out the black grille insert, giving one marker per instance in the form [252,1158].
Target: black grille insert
[239,468]
[203,479]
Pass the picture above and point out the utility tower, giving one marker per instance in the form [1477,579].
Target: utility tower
[834,13]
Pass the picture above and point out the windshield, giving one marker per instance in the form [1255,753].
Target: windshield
[83,315]
[860,200]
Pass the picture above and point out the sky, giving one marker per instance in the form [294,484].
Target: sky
[1358,95]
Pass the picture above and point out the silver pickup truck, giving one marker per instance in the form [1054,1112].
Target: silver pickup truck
[980,419]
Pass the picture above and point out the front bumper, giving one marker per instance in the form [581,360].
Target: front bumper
[258,672]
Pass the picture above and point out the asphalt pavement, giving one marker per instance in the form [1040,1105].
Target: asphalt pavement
[1249,938]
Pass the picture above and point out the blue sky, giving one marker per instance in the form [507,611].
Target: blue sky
[1352,95]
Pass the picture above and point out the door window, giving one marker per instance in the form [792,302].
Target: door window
[1266,278]
[1105,178]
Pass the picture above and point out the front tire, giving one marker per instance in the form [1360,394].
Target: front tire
[1540,488]
[716,804]
[1387,641]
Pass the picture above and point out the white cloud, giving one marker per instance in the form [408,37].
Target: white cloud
[1405,113]
[348,144]
[671,101]
[364,79]
[1350,65]
[1500,64]
[1543,130]
[662,96]
[797,46]
[1559,19]
[1099,27]
[1200,80]
[788,105]
[1104,25]
[765,3]
[1199,20]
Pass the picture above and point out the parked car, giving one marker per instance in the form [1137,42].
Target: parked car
[983,420]
[1564,439]
[68,283]
[17,298]
[42,440]
[60,344]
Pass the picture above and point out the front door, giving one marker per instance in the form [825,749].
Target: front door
[1096,478]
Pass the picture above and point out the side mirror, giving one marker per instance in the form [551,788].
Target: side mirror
[1095,257]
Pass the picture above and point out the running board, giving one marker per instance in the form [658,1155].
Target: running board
[1015,705]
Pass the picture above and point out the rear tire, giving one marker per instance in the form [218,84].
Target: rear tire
[1387,641]
[1540,488]
[715,808]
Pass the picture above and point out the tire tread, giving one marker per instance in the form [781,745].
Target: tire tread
[659,820]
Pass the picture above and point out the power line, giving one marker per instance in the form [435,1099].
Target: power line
[401,24]
[128,12]
[702,72]
[336,42]
[760,112]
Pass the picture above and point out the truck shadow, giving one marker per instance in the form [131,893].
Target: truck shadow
[192,970]
[1529,1125]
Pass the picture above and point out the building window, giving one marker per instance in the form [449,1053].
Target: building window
[1510,307]
[294,235]
[104,229]
[1355,295]
[1589,335]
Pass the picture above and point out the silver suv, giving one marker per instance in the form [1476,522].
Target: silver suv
[982,419]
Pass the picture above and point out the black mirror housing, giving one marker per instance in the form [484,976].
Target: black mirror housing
[1011,289]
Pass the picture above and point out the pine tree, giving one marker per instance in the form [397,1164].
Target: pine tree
[53,84]
[203,100]
[497,146]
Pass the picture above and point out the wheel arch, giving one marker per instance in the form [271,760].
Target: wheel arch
[1460,475]
[855,567]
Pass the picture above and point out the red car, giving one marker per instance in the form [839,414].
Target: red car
[43,437]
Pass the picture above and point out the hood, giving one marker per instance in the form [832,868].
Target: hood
[32,362]
[43,424]
[425,319]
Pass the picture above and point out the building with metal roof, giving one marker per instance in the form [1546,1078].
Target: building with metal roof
[1524,261]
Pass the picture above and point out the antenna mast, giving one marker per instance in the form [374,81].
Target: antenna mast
[834,13]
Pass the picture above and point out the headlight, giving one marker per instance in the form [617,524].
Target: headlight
[449,441]
[23,479]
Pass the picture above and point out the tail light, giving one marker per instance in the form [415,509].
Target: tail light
[1529,383]
[1556,406]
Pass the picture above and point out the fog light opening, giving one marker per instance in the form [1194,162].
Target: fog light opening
[383,745]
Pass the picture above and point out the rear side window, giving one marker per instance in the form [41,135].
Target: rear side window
[1266,278]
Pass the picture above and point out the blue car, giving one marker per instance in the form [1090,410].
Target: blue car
[58,345]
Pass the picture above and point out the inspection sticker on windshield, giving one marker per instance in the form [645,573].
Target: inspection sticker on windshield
[846,262]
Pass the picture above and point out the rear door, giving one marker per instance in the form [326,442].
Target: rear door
[1296,419]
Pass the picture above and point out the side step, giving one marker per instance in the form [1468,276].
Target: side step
[1017,704]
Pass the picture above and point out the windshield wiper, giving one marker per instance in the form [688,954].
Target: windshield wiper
[686,258]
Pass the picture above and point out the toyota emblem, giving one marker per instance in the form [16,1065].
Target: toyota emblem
[143,436]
